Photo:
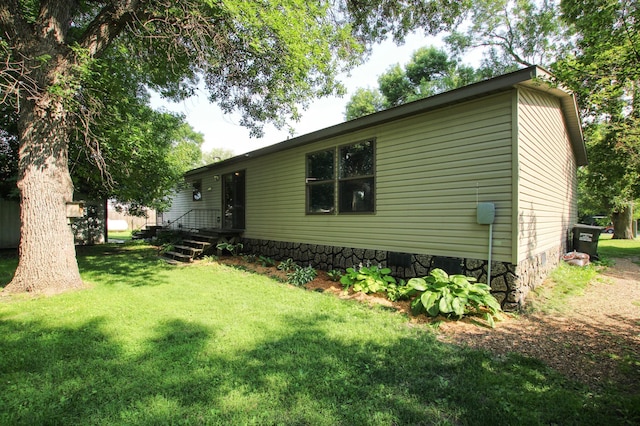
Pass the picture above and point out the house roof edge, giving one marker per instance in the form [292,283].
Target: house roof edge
[531,76]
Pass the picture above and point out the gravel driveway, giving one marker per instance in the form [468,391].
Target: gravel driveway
[595,341]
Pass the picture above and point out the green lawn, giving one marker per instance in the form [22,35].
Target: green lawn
[149,343]
[609,248]
[120,235]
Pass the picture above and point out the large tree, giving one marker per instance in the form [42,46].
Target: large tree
[604,73]
[142,153]
[260,57]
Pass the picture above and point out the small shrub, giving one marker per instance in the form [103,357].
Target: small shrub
[400,291]
[299,276]
[231,248]
[334,274]
[367,279]
[287,265]
[451,295]
[265,261]
[167,247]
[249,258]
[210,258]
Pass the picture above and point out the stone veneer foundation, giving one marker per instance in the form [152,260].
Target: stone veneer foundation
[510,283]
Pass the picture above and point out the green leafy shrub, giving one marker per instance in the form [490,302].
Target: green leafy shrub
[299,276]
[249,258]
[453,295]
[400,290]
[334,274]
[166,247]
[266,261]
[367,279]
[231,248]
[287,265]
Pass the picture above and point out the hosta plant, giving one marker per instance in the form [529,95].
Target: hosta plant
[453,295]
[400,290]
[334,274]
[266,261]
[231,248]
[287,265]
[300,276]
[367,279]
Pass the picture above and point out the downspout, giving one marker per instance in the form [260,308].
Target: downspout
[489,256]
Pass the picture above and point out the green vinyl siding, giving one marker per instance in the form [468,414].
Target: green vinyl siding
[431,170]
[547,183]
[182,201]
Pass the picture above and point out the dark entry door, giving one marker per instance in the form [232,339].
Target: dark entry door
[233,199]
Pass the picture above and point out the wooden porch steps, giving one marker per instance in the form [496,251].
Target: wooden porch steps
[195,244]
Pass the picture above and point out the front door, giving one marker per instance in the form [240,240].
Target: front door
[233,198]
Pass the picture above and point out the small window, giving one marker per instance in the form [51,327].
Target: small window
[320,182]
[197,190]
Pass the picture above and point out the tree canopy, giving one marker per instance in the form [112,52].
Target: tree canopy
[512,34]
[135,155]
[604,73]
[214,155]
[592,47]
[430,71]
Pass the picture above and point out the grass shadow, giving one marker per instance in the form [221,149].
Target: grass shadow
[84,375]
[130,264]
[205,352]
[609,248]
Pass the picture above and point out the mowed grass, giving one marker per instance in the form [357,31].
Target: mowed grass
[120,235]
[149,343]
[609,248]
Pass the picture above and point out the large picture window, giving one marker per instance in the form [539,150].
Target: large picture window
[347,171]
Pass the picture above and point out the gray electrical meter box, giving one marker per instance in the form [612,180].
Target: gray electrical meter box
[486,213]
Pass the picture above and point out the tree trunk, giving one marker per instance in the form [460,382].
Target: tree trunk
[623,223]
[47,257]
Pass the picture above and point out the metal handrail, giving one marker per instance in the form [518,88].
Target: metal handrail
[197,219]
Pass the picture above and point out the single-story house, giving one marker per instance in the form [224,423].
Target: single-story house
[484,175]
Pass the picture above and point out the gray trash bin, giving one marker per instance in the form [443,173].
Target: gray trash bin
[585,239]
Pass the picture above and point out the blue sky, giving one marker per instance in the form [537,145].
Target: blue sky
[223,131]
